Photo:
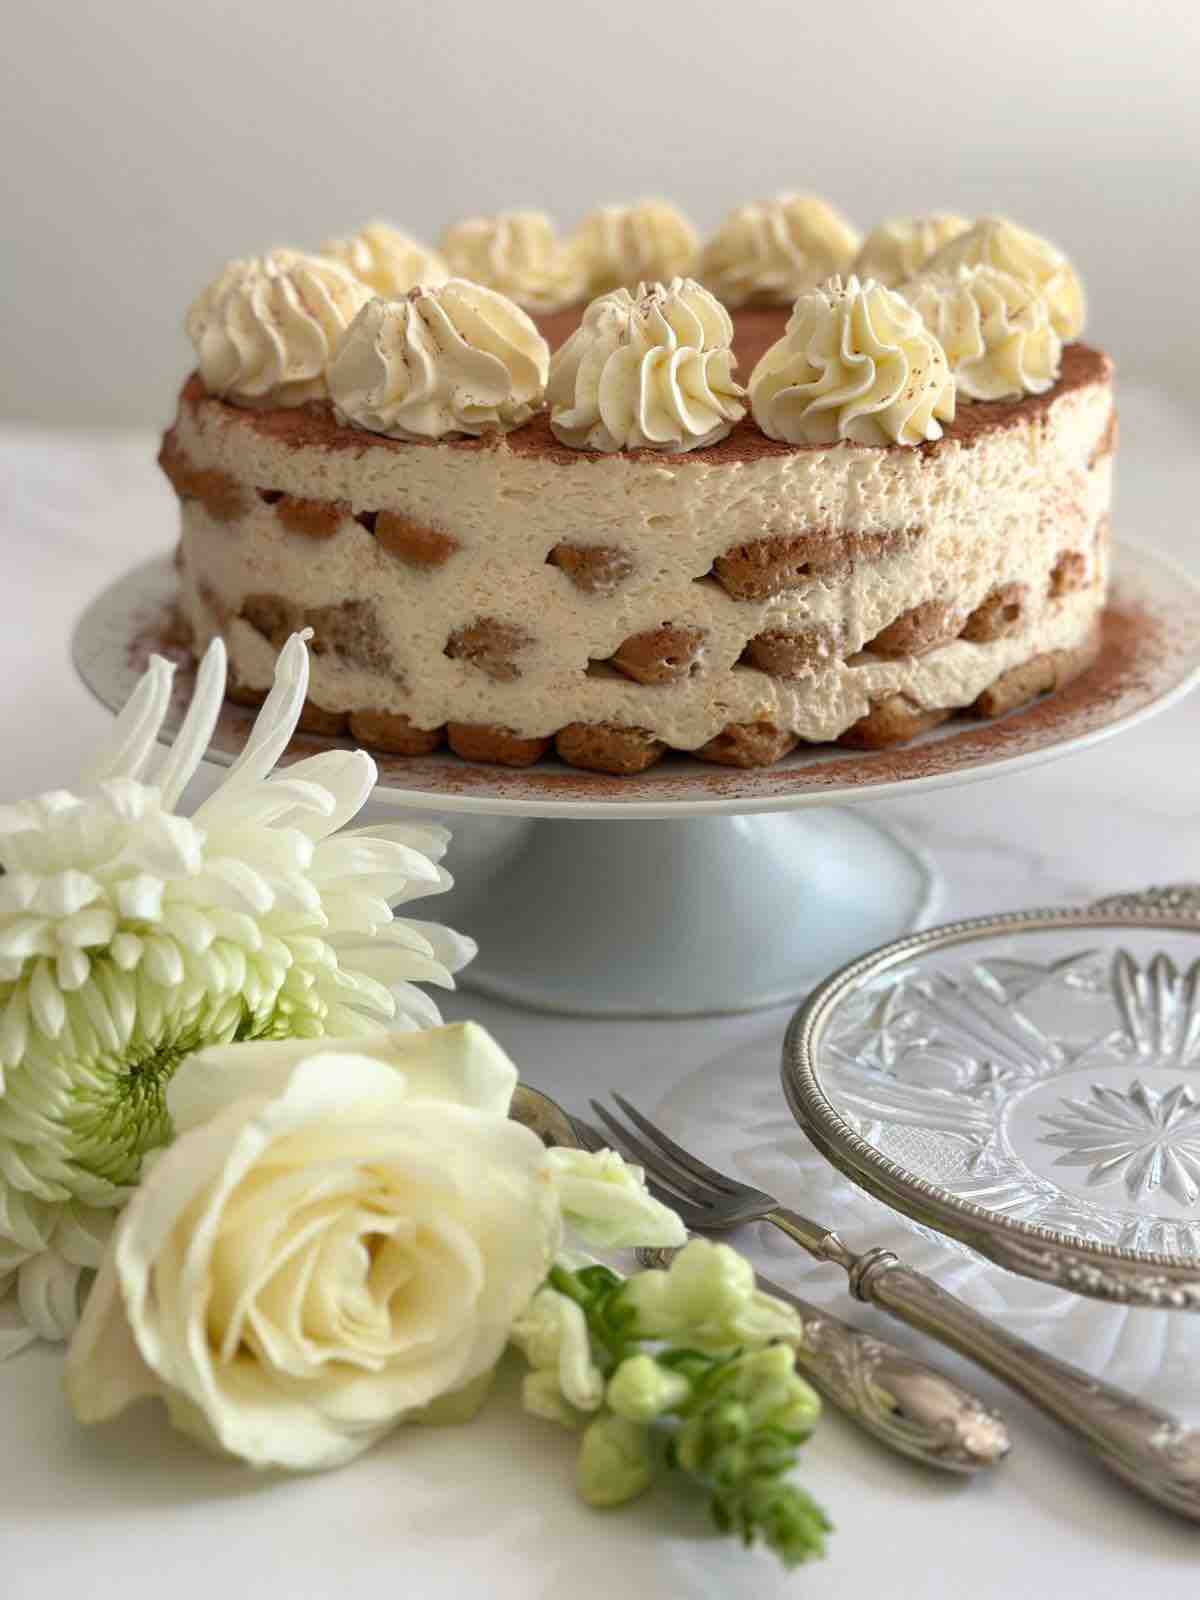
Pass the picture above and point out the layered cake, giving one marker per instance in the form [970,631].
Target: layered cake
[829,488]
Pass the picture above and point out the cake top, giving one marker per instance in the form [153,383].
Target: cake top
[887,332]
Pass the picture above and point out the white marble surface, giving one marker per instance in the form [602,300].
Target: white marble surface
[132,1510]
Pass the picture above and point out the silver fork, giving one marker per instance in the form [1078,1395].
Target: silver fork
[904,1402]
[1148,1448]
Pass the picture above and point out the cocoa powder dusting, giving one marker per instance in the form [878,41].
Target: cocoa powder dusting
[313,425]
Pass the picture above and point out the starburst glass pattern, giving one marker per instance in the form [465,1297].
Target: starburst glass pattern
[1148,1139]
[131,935]
[1063,1093]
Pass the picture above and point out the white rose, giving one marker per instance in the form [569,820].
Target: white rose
[336,1239]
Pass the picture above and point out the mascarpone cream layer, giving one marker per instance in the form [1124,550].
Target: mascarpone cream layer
[993,510]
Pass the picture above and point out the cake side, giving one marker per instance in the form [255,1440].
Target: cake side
[512,584]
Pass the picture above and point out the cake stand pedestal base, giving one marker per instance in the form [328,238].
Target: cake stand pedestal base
[685,918]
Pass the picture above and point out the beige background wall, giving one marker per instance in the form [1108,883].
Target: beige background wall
[145,141]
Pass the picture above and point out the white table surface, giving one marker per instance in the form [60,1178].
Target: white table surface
[134,1510]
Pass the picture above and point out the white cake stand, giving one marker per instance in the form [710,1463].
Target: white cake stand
[723,890]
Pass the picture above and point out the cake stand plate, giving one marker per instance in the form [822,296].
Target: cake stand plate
[759,887]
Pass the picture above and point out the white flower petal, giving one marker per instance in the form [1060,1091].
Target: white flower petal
[65,893]
[190,927]
[417,891]
[162,960]
[139,899]
[414,1008]
[430,838]
[14,1028]
[348,776]
[235,926]
[276,722]
[187,750]
[45,1000]
[136,727]
[126,950]
[48,1295]
[88,928]
[71,969]
[390,965]
[26,936]
[355,855]
[454,950]
[279,802]
[166,845]
[17,892]
[82,1234]
[248,887]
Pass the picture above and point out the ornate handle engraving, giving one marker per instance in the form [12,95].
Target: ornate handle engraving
[904,1402]
[1148,1448]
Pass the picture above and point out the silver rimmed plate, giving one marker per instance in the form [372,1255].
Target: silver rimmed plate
[1026,1085]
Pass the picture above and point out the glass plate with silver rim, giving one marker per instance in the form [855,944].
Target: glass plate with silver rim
[1026,1085]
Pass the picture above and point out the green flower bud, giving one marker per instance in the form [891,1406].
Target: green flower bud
[775,1395]
[707,1299]
[787,1520]
[641,1390]
[615,1461]
[706,1283]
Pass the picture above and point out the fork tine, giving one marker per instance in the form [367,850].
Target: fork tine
[590,1138]
[682,1158]
[653,1160]
[692,1216]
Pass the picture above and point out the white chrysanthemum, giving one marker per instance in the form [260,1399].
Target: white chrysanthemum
[131,936]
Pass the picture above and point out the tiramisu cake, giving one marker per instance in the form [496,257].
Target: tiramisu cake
[622,494]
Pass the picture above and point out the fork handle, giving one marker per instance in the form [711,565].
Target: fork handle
[1150,1449]
[905,1403]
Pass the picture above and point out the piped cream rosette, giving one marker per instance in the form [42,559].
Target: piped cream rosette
[264,330]
[389,261]
[995,330]
[619,246]
[898,249]
[518,254]
[855,362]
[767,252]
[996,242]
[651,371]
[455,359]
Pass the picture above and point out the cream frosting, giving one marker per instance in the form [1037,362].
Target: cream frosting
[770,250]
[651,371]
[266,328]
[898,249]
[620,246]
[997,242]
[855,362]
[456,358]
[518,254]
[389,261]
[995,330]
